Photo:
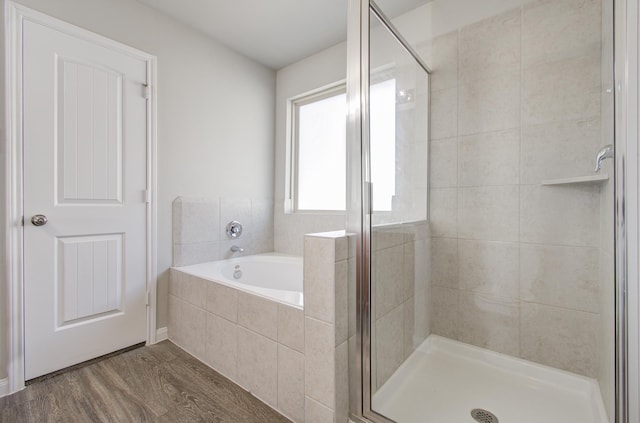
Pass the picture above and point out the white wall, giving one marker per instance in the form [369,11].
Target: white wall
[324,68]
[215,111]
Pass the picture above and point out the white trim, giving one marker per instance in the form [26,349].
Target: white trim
[15,16]
[4,387]
[13,116]
[292,141]
[162,334]
[152,207]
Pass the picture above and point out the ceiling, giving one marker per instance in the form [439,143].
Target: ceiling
[273,32]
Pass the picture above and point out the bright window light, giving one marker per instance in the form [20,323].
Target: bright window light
[322,179]
[382,133]
[320,145]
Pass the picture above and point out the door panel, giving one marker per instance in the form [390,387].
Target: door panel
[85,141]
[89,126]
[90,278]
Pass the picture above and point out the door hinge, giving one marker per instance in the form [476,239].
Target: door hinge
[146,91]
[147,196]
[148,298]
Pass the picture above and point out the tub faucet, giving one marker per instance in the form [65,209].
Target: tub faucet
[605,153]
[236,249]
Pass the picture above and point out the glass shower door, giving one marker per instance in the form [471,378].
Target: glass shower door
[395,240]
[398,145]
[486,269]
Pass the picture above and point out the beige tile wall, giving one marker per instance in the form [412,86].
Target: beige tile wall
[400,289]
[326,258]
[294,360]
[199,226]
[290,228]
[251,340]
[516,99]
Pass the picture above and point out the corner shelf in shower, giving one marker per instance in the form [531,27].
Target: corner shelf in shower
[589,179]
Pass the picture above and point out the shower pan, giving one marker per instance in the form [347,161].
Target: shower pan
[484,279]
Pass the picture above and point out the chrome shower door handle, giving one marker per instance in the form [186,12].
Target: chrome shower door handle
[39,220]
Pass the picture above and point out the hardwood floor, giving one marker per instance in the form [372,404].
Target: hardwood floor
[156,383]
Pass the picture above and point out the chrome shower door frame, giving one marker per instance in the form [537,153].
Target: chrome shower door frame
[359,193]
[626,92]
[358,213]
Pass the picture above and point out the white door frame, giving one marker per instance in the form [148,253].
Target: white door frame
[15,16]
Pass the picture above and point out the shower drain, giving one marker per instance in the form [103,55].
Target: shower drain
[483,416]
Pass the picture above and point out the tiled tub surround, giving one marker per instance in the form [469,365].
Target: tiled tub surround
[326,325]
[515,101]
[400,292]
[292,359]
[199,228]
[251,340]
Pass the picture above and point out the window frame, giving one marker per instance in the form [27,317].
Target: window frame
[292,154]
[294,103]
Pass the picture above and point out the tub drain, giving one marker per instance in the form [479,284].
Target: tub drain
[483,416]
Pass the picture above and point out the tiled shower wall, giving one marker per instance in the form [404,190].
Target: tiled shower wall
[516,100]
[199,226]
[400,291]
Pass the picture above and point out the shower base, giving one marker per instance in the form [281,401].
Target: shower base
[444,380]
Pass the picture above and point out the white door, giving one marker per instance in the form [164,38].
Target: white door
[85,144]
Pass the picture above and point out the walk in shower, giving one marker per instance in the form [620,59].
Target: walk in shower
[484,282]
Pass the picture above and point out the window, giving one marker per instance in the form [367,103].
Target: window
[320,123]
[317,165]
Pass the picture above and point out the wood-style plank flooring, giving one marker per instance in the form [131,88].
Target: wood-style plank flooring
[156,383]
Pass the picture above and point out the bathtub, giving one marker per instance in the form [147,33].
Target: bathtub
[277,277]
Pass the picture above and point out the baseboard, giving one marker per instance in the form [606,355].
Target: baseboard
[4,387]
[162,334]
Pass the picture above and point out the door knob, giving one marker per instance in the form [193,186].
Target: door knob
[39,220]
